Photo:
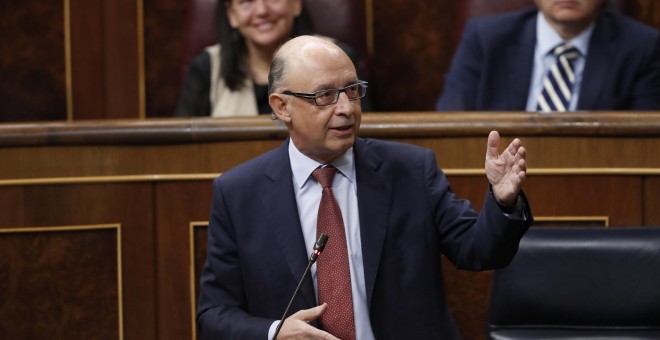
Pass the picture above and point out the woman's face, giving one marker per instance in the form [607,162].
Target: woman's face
[264,23]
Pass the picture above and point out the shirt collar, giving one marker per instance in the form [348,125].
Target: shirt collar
[547,38]
[302,166]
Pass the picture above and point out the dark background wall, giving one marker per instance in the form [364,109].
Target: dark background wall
[78,59]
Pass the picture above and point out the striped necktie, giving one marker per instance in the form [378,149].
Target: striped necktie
[558,83]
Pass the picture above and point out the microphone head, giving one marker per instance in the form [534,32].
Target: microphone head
[320,243]
[318,247]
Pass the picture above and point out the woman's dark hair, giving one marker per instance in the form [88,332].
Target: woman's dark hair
[233,68]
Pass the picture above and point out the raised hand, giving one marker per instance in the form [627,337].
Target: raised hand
[506,171]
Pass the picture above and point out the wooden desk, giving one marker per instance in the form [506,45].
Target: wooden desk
[111,214]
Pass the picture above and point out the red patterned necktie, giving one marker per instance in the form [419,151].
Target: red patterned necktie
[332,272]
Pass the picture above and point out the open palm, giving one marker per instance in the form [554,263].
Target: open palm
[506,172]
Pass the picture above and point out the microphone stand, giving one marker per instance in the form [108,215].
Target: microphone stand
[318,248]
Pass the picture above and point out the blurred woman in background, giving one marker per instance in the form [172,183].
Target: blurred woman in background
[231,78]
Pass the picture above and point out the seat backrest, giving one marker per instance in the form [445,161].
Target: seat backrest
[344,20]
[200,28]
[569,283]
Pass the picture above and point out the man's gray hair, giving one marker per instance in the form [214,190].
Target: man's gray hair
[276,77]
[276,73]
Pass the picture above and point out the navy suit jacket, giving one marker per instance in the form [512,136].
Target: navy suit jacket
[408,217]
[493,65]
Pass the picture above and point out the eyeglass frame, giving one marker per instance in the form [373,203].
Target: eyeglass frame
[339,91]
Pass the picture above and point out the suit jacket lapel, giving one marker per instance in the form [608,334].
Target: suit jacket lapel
[279,203]
[374,200]
[520,55]
[596,64]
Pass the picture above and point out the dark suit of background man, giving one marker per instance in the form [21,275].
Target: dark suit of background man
[399,213]
[501,61]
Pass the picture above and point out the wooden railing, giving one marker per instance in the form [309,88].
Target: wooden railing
[134,195]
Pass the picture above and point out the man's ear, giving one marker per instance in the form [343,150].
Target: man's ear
[278,102]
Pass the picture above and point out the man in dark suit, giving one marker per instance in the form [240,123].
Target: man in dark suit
[503,61]
[399,213]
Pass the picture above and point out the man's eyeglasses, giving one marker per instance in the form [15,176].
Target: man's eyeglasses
[331,96]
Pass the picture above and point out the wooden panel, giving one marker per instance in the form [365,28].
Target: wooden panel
[32,61]
[617,197]
[593,164]
[118,160]
[128,204]
[104,59]
[467,296]
[198,241]
[592,140]
[213,158]
[88,82]
[122,63]
[545,152]
[177,205]
[60,283]
[652,201]
[164,23]
[413,47]
[473,188]
[647,11]
[582,221]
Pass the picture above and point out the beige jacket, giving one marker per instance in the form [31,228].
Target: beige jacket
[225,102]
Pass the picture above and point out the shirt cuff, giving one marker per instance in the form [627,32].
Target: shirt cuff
[271,330]
[516,211]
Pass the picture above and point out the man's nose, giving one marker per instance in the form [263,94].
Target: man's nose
[345,105]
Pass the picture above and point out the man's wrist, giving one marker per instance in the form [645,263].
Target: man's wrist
[514,209]
[509,209]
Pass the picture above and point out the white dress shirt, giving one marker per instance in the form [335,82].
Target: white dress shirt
[546,40]
[308,198]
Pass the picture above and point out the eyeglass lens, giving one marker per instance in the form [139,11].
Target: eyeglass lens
[328,97]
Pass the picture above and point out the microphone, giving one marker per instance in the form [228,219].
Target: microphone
[318,248]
